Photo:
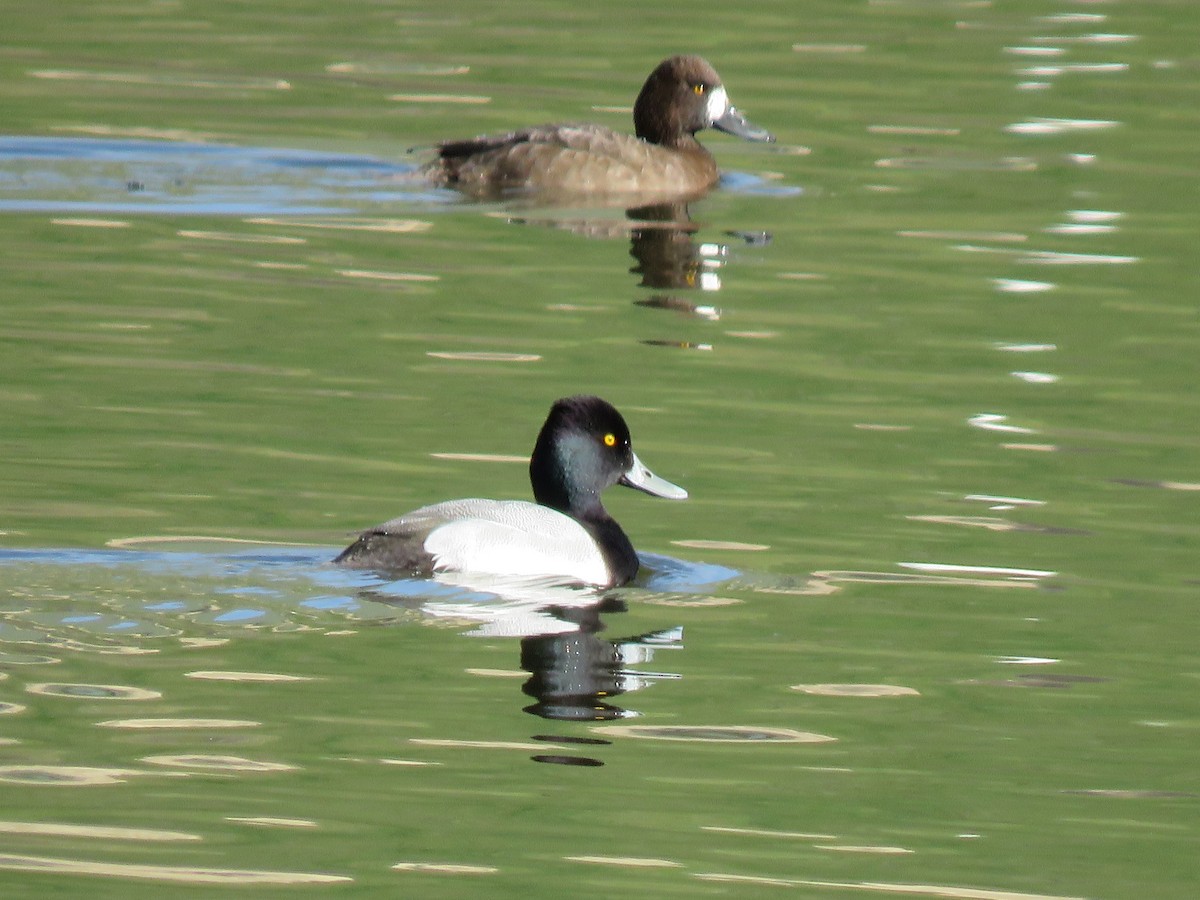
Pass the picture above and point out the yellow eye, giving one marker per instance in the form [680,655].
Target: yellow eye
[698,88]
[610,440]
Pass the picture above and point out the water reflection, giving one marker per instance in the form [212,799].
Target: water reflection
[575,676]
[668,257]
[574,672]
[163,873]
[661,241]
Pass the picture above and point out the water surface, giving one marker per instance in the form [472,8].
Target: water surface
[926,367]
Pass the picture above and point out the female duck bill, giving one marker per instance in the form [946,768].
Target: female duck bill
[733,122]
[723,116]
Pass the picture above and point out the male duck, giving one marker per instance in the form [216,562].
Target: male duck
[683,95]
[582,449]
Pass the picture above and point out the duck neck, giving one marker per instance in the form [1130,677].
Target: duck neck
[660,126]
[550,467]
[551,488]
[665,134]
[550,485]
[615,546]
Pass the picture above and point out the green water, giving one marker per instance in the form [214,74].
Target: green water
[292,380]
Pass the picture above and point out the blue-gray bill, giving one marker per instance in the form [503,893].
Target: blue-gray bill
[644,480]
[733,122]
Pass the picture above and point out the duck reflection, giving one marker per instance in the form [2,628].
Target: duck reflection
[574,673]
[575,676]
[667,254]
[668,258]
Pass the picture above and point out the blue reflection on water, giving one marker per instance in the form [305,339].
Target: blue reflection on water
[746,183]
[240,615]
[93,175]
[670,574]
[105,591]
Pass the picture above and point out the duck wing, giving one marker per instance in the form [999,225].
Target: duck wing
[493,537]
[564,158]
[584,137]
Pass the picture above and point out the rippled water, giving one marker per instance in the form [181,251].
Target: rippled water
[926,367]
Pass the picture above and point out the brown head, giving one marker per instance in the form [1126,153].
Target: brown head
[684,95]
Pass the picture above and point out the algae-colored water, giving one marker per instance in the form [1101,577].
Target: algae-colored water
[927,623]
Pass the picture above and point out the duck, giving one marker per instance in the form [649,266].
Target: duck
[683,95]
[583,448]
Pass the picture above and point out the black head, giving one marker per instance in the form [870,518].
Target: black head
[583,448]
[684,95]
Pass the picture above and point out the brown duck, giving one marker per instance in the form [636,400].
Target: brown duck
[683,95]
